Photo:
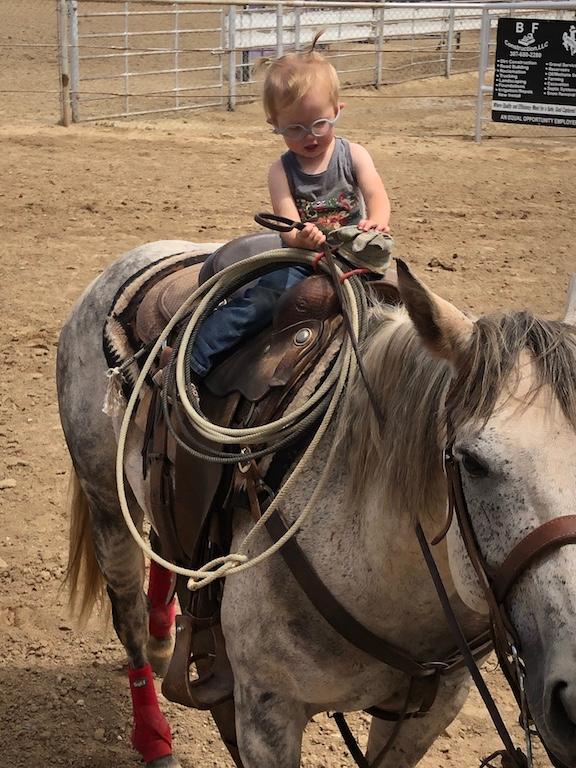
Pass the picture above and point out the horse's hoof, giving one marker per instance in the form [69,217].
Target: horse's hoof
[164,762]
[159,653]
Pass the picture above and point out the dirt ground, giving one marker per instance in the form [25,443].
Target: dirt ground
[488,226]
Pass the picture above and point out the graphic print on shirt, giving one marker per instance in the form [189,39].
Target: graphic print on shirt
[332,212]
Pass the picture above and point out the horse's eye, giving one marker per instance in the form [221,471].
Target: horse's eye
[473,465]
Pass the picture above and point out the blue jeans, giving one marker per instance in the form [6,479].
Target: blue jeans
[241,317]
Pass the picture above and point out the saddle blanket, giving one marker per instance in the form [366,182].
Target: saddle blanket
[120,337]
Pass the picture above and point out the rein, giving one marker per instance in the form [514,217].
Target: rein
[515,757]
[360,636]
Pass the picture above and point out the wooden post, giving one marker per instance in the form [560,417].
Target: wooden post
[65,108]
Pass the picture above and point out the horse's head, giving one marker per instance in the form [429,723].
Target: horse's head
[511,423]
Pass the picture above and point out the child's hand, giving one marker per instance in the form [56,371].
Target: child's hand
[310,237]
[367,224]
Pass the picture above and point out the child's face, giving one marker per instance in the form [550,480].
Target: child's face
[314,105]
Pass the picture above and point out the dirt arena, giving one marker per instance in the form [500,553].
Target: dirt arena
[488,226]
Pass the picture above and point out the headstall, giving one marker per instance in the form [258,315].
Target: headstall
[496,584]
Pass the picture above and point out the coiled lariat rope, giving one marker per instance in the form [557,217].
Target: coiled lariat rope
[276,434]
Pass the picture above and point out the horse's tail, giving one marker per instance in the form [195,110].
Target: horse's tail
[83,576]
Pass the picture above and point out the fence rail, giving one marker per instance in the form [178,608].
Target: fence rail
[145,57]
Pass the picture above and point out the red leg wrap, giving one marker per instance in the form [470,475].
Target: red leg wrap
[151,734]
[162,608]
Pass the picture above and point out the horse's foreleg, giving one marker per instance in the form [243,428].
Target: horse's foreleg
[122,565]
[417,735]
[269,728]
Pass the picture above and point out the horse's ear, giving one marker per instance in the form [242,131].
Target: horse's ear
[444,329]
[570,316]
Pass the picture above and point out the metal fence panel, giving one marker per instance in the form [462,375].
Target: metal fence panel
[132,57]
[129,59]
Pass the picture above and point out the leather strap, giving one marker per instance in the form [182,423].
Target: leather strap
[551,535]
[516,756]
[352,744]
[335,613]
[161,490]
[328,255]
[554,533]
[457,502]
[350,741]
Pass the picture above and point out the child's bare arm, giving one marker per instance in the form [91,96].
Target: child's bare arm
[373,191]
[283,204]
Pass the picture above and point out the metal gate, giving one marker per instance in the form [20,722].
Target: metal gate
[131,58]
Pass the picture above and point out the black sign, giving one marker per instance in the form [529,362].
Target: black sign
[535,77]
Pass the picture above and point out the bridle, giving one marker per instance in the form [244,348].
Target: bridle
[496,584]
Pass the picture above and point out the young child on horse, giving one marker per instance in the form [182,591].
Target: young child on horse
[323,180]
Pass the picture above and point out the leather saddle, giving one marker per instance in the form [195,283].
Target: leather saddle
[163,299]
[252,386]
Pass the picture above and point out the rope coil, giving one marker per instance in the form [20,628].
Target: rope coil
[281,430]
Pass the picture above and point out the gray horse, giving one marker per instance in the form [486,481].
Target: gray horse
[513,414]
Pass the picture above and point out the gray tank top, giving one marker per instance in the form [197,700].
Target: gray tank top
[330,199]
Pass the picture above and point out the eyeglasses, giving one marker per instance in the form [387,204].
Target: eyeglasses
[297,131]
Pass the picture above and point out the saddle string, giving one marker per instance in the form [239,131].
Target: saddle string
[199,301]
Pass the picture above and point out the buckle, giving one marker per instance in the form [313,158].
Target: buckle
[244,466]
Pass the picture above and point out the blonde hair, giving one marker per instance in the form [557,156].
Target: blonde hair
[291,76]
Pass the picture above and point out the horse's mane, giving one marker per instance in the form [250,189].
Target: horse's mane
[492,364]
[403,465]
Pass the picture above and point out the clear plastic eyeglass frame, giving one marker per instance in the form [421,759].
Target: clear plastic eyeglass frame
[319,128]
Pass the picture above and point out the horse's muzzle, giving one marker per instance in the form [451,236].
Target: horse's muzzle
[558,725]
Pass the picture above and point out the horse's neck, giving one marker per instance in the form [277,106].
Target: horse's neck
[370,558]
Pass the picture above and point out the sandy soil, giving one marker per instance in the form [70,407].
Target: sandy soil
[487,226]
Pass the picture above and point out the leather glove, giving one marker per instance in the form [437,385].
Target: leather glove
[371,250]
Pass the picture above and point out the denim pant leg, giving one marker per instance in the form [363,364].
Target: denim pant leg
[242,317]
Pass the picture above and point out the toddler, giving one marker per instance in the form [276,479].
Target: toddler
[322,180]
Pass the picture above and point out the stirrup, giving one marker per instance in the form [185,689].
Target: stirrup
[199,642]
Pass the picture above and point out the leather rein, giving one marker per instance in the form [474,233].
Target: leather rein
[424,677]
